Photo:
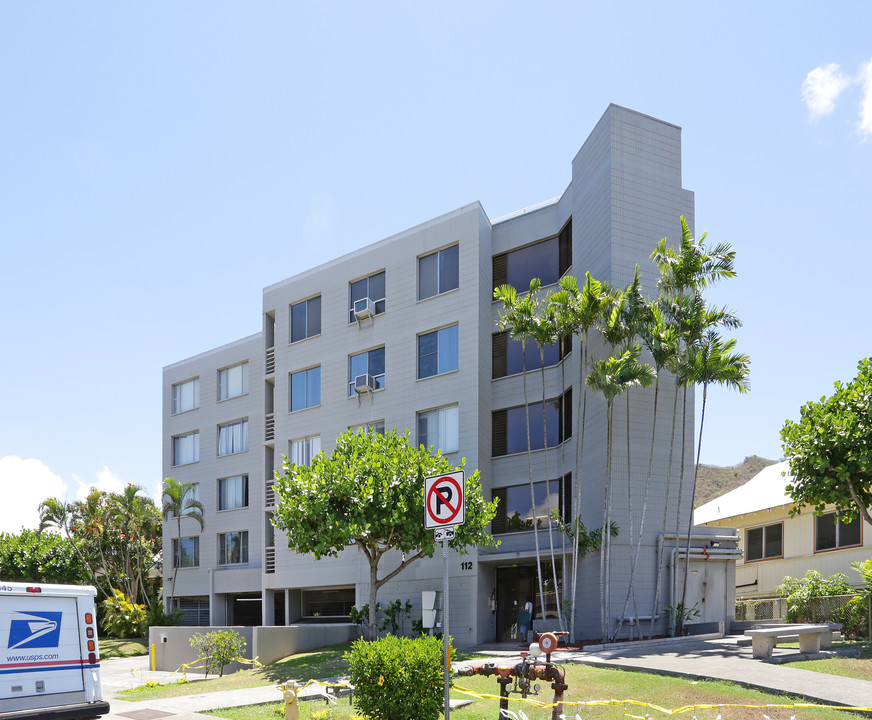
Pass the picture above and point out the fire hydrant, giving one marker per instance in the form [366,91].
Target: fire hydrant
[292,704]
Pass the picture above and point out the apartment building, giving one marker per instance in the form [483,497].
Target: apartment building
[402,333]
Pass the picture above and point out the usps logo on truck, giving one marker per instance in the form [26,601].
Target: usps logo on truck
[34,630]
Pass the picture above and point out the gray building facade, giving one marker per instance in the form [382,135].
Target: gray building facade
[403,334]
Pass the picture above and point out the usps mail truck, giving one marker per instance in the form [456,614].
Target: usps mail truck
[49,660]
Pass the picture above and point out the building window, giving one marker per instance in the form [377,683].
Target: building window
[439,272]
[371,362]
[509,355]
[440,428]
[186,448]
[305,389]
[374,426]
[233,381]
[547,260]
[516,510]
[186,396]
[233,548]
[186,552]
[306,319]
[301,452]
[233,437]
[762,543]
[438,352]
[372,287]
[832,533]
[510,426]
[233,492]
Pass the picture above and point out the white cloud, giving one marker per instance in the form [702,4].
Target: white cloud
[822,88]
[25,484]
[105,481]
[865,79]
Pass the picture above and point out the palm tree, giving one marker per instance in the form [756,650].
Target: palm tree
[519,315]
[545,331]
[135,516]
[611,377]
[684,274]
[712,361]
[56,513]
[576,310]
[179,502]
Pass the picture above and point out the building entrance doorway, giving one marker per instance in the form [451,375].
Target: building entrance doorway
[514,586]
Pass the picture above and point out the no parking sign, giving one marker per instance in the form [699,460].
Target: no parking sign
[444,500]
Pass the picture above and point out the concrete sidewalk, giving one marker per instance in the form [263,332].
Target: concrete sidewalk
[720,659]
[725,659]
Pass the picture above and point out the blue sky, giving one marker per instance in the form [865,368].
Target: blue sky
[160,163]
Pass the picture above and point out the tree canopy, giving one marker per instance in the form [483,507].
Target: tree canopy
[31,556]
[369,492]
[830,449]
[117,537]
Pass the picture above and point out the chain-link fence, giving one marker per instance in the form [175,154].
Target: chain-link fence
[854,612]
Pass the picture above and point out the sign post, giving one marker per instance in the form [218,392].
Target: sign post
[444,509]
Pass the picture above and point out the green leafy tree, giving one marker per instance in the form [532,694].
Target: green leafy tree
[830,449]
[116,535]
[179,502]
[31,556]
[219,648]
[369,492]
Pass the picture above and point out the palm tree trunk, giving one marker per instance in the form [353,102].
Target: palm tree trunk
[693,494]
[532,483]
[635,555]
[658,584]
[579,459]
[680,493]
[605,596]
[548,492]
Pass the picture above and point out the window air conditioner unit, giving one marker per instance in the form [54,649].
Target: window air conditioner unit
[364,308]
[364,384]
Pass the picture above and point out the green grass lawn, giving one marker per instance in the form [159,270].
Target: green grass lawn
[128,647]
[585,684]
[859,668]
[323,663]
[589,684]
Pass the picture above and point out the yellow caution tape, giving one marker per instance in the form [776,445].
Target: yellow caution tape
[665,711]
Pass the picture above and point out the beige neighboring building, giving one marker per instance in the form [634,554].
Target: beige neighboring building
[776,545]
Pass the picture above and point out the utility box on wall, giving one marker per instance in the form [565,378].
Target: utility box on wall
[431,603]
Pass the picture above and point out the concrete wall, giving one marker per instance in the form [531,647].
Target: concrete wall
[275,643]
[172,645]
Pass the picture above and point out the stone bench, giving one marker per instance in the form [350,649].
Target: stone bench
[811,637]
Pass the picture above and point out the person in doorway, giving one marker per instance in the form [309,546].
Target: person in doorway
[525,617]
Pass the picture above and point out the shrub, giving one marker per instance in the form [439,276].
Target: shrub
[158,616]
[854,616]
[801,595]
[122,618]
[395,616]
[219,648]
[397,678]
